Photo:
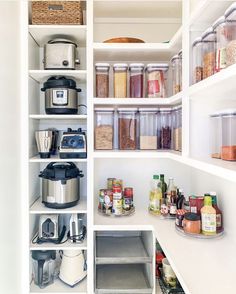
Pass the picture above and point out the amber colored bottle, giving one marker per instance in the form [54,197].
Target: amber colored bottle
[219,215]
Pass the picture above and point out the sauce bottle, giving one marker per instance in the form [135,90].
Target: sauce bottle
[155,196]
[208,216]
[219,216]
[171,191]
[163,185]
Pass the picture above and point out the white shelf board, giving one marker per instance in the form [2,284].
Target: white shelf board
[186,252]
[42,75]
[137,154]
[43,33]
[55,158]
[58,287]
[39,208]
[58,117]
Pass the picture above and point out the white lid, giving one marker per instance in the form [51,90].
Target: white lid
[175,57]
[148,109]
[102,64]
[136,65]
[197,40]
[213,193]
[207,32]
[219,21]
[128,109]
[230,111]
[177,107]
[104,109]
[159,65]
[120,65]
[230,9]
[216,114]
[165,109]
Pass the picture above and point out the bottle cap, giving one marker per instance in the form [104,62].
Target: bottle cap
[213,193]
[155,177]
[208,200]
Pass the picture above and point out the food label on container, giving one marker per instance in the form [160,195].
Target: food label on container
[117,207]
[208,222]
[220,59]
[193,209]
[59,97]
[218,221]
[127,203]
[173,209]
[107,200]
[153,87]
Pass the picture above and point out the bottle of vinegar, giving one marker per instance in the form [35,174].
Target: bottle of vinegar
[155,196]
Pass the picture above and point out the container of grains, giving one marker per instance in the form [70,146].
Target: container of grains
[136,80]
[228,150]
[156,79]
[197,60]
[148,128]
[230,16]
[165,128]
[216,134]
[127,128]
[209,52]
[177,128]
[220,28]
[102,80]
[176,74]
[104,128]
[120,80]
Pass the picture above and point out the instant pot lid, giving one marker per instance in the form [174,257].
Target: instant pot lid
[60,171]
[59,82]
[61,41]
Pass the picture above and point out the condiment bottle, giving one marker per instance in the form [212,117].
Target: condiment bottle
[117,201]
[128,199]
[171,192]
[155,196]
[163,185]
[208,216]
[219,215]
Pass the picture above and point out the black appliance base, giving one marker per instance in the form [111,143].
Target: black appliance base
[61,110]
[60,206]
[73,155]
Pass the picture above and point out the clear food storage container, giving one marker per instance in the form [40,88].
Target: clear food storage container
[156,80]
[120,80]
[148,128]
[176,74]
[230,16]
[209,52]
[220,28]
[180,54]
[165,128]
[197,60]
[177,128]
[216,134]
[136,80]
[228,150]
[127,128]
[102,80]
[104,128]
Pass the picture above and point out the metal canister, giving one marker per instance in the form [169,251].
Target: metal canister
[101,204]
[117,201]
[110,183]
[118,182]
[108,201]
[128,199]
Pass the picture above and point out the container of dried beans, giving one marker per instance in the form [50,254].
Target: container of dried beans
[102,80]
[209,52]
[228,150]
[136,80]
[165,128]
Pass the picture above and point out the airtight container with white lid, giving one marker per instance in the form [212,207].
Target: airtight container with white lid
[120,73]
[197,60]
[228,150]
[136,80]
[230,17]
[102,80]
[216,134]
[209,52]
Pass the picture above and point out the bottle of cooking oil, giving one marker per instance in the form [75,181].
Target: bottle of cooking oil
[155,196]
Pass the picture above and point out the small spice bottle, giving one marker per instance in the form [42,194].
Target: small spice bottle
[165,133]
[102,80]
[216,134]
[176,74]
[136,80]
[120,80]
[230,17]
[197,60]
[228,150]
[209,52]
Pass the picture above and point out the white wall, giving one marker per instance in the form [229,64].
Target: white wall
[9,148]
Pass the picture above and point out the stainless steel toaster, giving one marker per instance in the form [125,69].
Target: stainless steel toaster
[60,54]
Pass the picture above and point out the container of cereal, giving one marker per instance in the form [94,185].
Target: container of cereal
[228,150]
[102,80]
[120,80]
[136,80]
[197,60]
[230,17]
[209,52]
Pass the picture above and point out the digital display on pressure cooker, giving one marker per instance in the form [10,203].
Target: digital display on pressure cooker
[60,97]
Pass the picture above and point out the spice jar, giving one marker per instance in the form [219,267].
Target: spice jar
[104,129]
[102,80]
[165,128]
[228,150]
[197,60]
[220,28]
[120,80]
[176,74]
[177,128]
[209,49]
[148,128]
[136,80]
[128,199]
[127,128]
[230,17]
[156,77]
[192,223]
[216,135]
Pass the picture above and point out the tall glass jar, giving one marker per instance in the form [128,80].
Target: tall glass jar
[177,128]
[197,60]
[176,74]
[180,54]
[148,128]
[165,128]
[104,128]
[156,80]
[230,17]
[120,80]
[102,80]
[136,80]
[228,150]
[209,52]
[127,128]
[216,134]
[219,27]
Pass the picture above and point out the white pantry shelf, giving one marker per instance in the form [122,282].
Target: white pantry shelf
[58,117]
[43,33]
[42,75]
[39,208]
[55,158]
[137,154]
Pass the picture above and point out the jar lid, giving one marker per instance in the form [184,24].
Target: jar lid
[174,57]
[180,53]
[219,21]
[103,109]
[177,107]
[230,9]
[120,65]
[216,114]
[158,65]
[59,82]
[102,64]
[150,109]
[192,216]
[129,109]
[207,32]
[230,111]
[136,65]
[197,40]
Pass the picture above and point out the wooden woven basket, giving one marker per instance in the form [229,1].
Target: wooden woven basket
[57,12]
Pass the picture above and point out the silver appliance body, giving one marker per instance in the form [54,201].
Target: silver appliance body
[49,227]
[44,141]
[76,229]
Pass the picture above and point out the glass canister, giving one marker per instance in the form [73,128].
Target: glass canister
[156,80]
[228,150]
[127,128]
[165,128]
[180,54]
[104,128]
[197,60]
[209,52]
[220,28]
[148,128]
[216,134]
[176,74]
[136,80]
[120,80]
[102,80]
[177,128]
[230,17]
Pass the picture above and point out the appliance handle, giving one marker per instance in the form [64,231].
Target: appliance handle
[78,90]
[40,272]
